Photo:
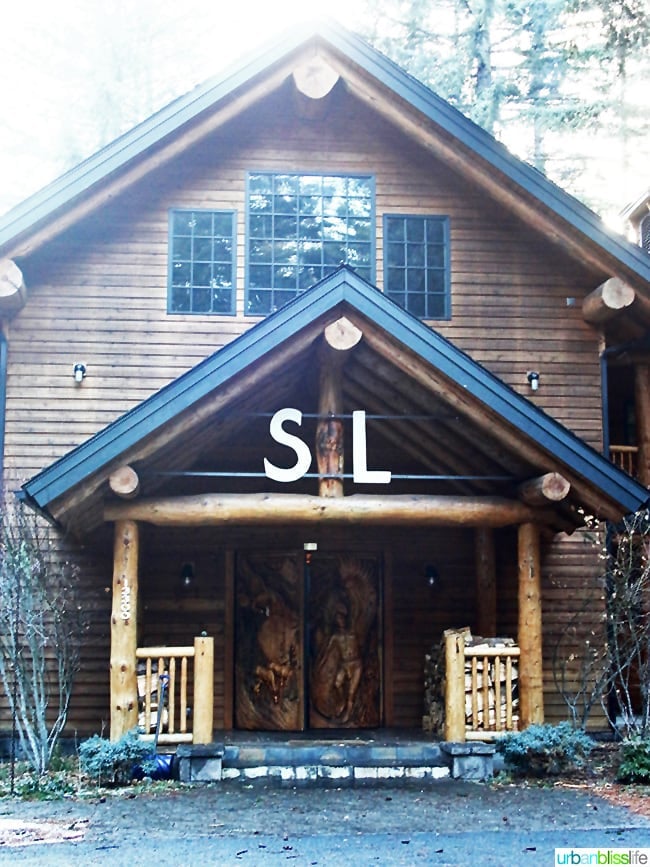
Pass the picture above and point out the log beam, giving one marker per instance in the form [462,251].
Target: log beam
[124,637]
[13,293]
[278,509]
[124,482]
[607,301]
[486,583]
[549,488]
[531,687]
[314,77]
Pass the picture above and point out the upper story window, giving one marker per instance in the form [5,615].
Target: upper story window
[416,264]
[202,262]
[301,228]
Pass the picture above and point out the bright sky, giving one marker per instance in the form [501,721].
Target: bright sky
[50,49]
[53,52]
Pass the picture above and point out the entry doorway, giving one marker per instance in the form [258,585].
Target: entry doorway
[307,641]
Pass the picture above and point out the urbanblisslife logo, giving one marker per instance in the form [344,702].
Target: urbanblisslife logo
[602,856]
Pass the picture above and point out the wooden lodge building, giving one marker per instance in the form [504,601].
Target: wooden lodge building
[306,370]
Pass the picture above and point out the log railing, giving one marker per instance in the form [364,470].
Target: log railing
[192,666]
[625,458]
[480,689]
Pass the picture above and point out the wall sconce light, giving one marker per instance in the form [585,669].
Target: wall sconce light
[79,372]
[187,576]
[432,576]
[533,379]
[309,548]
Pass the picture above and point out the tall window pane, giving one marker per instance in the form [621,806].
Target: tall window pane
[416,264]
[202,262]
[303,227]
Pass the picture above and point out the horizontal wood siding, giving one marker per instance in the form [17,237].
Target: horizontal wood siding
[421,613]
[98,293]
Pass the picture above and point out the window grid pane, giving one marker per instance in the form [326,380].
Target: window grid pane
[202,267]
[416,272]
[301,228]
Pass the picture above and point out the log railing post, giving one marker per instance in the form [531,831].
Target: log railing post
[203,690]
[454,686]
[124,637]
[531,685]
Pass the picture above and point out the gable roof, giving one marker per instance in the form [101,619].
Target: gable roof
[174,414]
[537,198]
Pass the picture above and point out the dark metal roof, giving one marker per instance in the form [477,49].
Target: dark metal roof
[169,120]
[346,288]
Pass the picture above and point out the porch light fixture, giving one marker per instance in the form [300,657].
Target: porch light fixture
[533,379]
[79,372]
[187,576]
[432,575]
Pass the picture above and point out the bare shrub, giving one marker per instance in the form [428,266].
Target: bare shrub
[41,628]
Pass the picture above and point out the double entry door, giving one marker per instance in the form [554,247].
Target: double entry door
[307,641]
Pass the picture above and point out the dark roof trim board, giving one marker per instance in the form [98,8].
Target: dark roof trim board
[342,287]
[187,108]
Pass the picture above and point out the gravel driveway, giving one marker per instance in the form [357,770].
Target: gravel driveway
[262,816]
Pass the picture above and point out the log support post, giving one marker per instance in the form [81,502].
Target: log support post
[329,431]
[642,402]
[339,338]
[486,584]
[124,637]
[454,686]
[531,692]
[203,690]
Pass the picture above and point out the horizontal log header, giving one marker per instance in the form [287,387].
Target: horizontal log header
[274,509]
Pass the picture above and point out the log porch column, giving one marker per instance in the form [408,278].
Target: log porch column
[531,693]
[486,583]
[124,638]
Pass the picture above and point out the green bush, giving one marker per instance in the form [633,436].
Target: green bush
[112,763]
[635,762]
[546,749]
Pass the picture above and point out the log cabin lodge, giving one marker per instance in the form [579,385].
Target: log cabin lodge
[306,371]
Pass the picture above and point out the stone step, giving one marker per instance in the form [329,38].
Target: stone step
[333,761]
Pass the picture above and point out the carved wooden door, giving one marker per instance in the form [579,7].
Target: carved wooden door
[344,642]
[307,642]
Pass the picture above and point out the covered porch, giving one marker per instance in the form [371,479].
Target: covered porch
[324,497]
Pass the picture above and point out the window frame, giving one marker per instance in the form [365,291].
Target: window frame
[445,223]
[372,240]
[225,212]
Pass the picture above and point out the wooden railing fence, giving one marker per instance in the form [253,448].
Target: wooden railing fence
[625,458]
[480,689]
[183,667]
